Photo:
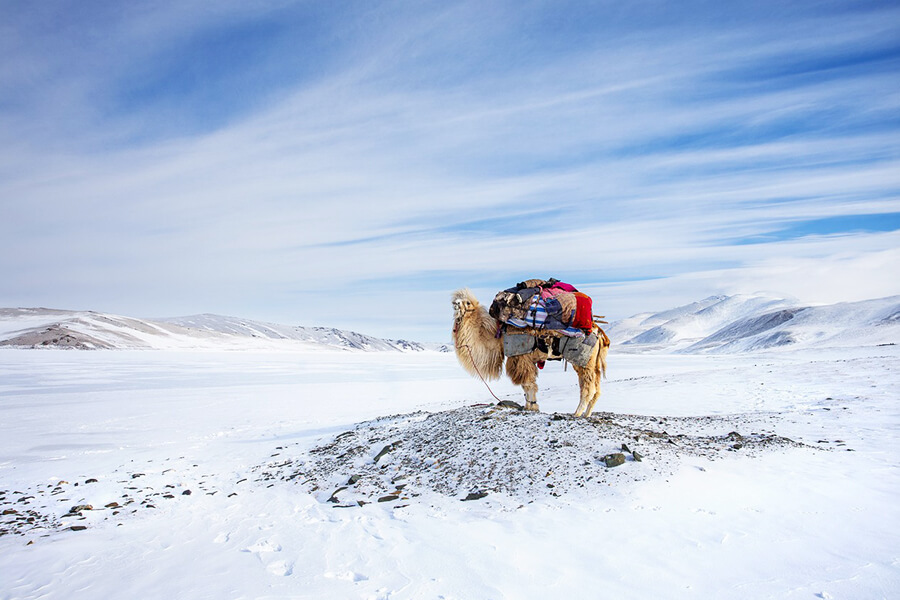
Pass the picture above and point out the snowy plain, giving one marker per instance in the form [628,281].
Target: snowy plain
[819,521]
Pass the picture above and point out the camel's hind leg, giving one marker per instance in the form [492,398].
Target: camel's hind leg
[589,380]
[522,371]
[593,400]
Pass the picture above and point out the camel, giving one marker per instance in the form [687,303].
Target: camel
[480,351]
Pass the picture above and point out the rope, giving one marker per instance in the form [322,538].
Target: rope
[472,358]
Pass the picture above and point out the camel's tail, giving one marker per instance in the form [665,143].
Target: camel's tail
[604,348]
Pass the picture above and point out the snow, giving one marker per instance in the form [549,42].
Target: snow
[815,519]
[736,324]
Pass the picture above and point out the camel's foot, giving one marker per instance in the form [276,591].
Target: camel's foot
[532,406]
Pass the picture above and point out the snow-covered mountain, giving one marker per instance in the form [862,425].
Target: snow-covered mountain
[741,323]
[42,327]
[272,331]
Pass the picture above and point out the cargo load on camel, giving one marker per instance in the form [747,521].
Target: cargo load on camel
[548,315]
[545,305]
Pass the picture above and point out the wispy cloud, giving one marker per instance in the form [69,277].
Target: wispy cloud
[250,159]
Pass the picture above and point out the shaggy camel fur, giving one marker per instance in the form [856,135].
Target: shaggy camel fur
[480,351]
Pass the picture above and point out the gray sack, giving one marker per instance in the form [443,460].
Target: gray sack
[518,344]
[578,350]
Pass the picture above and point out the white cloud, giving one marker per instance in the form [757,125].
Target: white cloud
[640,156]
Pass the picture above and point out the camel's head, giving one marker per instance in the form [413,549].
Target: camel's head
[464,302]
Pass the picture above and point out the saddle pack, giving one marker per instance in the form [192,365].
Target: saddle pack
[545,304]
[548,315]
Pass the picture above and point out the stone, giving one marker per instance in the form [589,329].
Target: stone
[625,448]
[475,496]
[334,494]
[186,493]
[389,498]
[78,527]
[614,460]
[385,450]
[637,456]
[510,404]
[354,479]
[92,480]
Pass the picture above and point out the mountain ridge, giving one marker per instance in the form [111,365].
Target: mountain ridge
[717,324]
[91,330]
[753,322]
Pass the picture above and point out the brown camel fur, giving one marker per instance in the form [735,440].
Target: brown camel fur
[480,351]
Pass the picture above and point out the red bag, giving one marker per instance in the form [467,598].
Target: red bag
[584,312]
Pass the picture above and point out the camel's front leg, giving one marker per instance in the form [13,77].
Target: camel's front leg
[531,396]
[522,371]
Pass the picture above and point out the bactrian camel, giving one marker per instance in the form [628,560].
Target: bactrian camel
[480,351]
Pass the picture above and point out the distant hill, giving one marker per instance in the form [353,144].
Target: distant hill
[88,330]
[742,323]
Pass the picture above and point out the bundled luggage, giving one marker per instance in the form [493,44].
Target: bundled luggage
[549,315]
[546,305]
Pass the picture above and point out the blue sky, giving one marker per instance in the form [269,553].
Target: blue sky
[351,163]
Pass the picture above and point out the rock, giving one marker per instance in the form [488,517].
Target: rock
[112,505]
[625,448]
[334,494]
[354,479]
[510,404]
[385,450]
[389,498]
[637,456]
[80,507]
[475,496]
[91,480]
[10,511]
[614,460]
[78,527]
[186,493]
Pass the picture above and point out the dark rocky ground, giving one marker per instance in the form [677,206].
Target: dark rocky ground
[467,453]
[472,452]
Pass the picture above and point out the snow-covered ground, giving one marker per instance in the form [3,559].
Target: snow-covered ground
[130,433]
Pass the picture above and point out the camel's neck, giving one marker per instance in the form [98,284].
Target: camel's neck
[476,326]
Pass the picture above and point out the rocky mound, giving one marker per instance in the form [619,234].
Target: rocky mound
[500,452]
[472,452]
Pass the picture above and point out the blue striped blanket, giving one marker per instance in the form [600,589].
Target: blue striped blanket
[537,317]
